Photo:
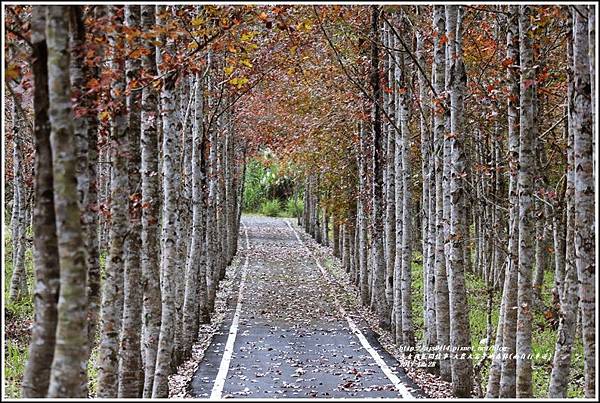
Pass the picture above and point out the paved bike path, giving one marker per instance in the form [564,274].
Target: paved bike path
[289,337]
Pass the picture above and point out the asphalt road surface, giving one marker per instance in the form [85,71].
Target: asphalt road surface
[284,334]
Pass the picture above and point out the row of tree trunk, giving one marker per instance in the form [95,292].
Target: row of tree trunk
[498,227]
[170,201]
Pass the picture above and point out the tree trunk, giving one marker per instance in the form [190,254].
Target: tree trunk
[91,208]
[345,248]
[183,189]
[69,355]
[541,224]
[399,284]
[306,205]
[509,323]
[230,188]
[356,243]
[403,197]
[18,283]
[567,284]
[150,211]
[390,220]
[130,366]
[460,336]
[558,232]
[45,256]
[221,216]
[194,307]
[592,63]
[112,294]
[86,132]
[584,195]
[211,215]
[168,242]
[336,237]
[325,228]
[439,123]
[362,218]
[526,210]
[378,263]
[428,204]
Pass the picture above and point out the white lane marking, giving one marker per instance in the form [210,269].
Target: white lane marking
[217,389]
[404,392]
[380,362]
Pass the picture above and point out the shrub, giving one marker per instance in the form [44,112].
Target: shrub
[254,189]
[265,179]
[293,208]
[270,208]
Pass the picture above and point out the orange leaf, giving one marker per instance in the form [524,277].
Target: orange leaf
[93,83]
[507,62]
[12,72]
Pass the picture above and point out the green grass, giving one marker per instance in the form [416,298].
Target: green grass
[21,309]
[543,338]
[15,360]
[16,350]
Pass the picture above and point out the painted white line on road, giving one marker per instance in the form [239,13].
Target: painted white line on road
[404,392]
[380,362]
[217,389]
